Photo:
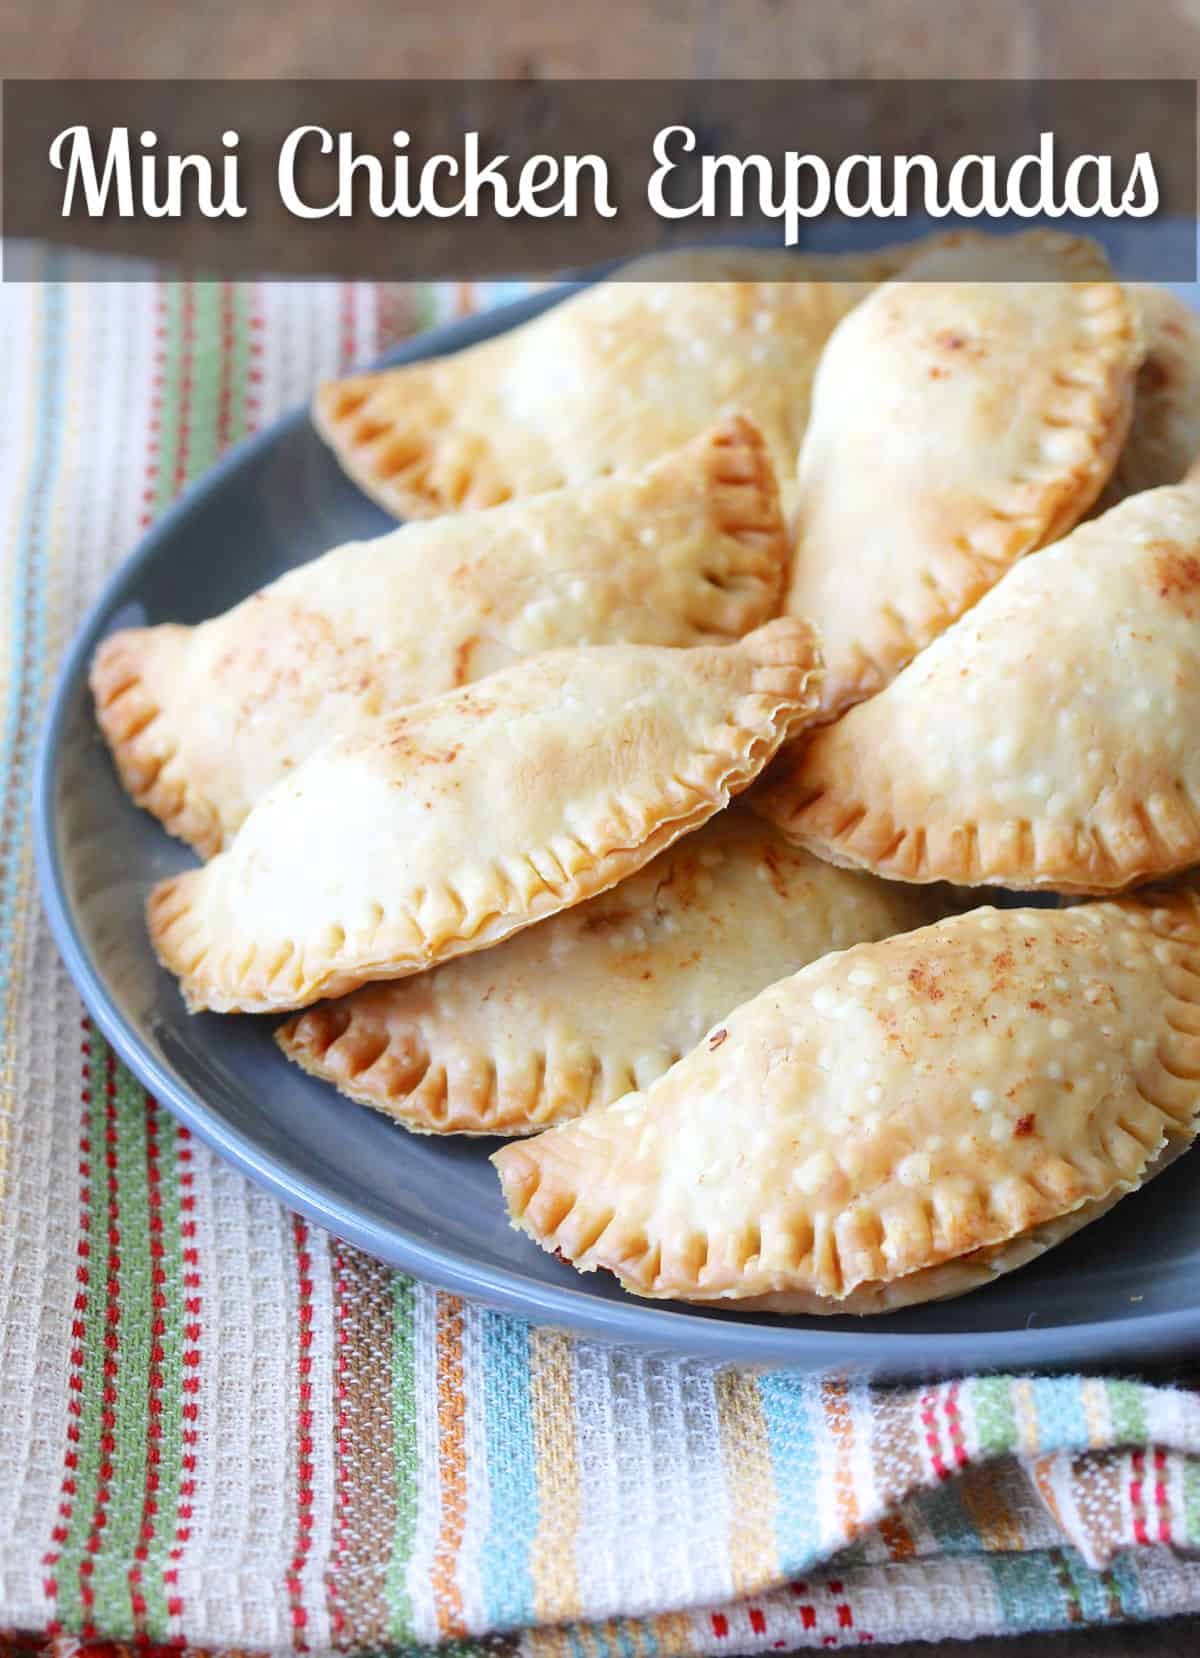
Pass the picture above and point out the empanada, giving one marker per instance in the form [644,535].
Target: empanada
[446,827]
[602,998]
[202,721]
[901,1121]
[1164,438]
[1047,740]
[606,381]
[956,425]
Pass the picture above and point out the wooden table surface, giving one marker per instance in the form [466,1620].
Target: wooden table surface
[916,39]
[635,38]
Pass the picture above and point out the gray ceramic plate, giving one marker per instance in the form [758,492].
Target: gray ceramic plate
[1126,1290]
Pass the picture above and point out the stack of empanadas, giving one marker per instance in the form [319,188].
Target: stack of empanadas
[909,560]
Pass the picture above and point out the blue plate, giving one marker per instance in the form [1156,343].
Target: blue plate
[1126,1290]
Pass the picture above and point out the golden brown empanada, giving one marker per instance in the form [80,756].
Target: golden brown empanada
[1164,438]
[956,425]
[900,1121]
[446,827]
[602,998]
[1047,740]
[606,381]
[202,721]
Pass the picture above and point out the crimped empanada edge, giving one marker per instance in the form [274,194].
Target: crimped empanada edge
[445,1091]
[967,1273]
[1132,841]
[431,1073]
[404,451]
[783,693]
[1172,361]
[395,461]
[1096,404]
[745,509]
[733,472]
[140,737]
[597,1238]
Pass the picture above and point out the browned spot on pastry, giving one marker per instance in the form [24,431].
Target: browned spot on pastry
[1177,573]
[717,1037]
[474,707]
[401,741]
[1037,1007]
[462,659]
[953,342]
[1025,1125]
[603,921]
[924,982]
[778,881]
[1153,376]
[301,648]
[1002,966]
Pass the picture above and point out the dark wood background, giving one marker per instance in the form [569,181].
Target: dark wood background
[916,39]
[617,38]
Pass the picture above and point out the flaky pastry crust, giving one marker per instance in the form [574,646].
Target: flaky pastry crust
[445,828]
[901,1120]
[1046,740]
[203,721]
[598,999]
[604,382]
[956,425]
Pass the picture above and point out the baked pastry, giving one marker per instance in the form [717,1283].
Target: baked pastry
[899,1122]
[606,381]
[601,998]
[956,425]
[1164,438]
[1046,740]
[203,721]
[448,826]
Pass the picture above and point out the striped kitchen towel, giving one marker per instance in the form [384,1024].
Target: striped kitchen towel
[221,1428]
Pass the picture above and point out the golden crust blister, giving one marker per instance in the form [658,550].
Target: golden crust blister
[1164,437]
[956,426]
[1046,740]
[203,721]
[903,1120]
[604,382]
[602,998]
[460,820]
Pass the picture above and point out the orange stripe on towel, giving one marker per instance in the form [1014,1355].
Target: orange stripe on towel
[452,1465]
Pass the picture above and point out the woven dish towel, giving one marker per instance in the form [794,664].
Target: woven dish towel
[221,1428]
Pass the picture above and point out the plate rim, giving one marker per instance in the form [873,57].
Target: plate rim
[744,1340]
